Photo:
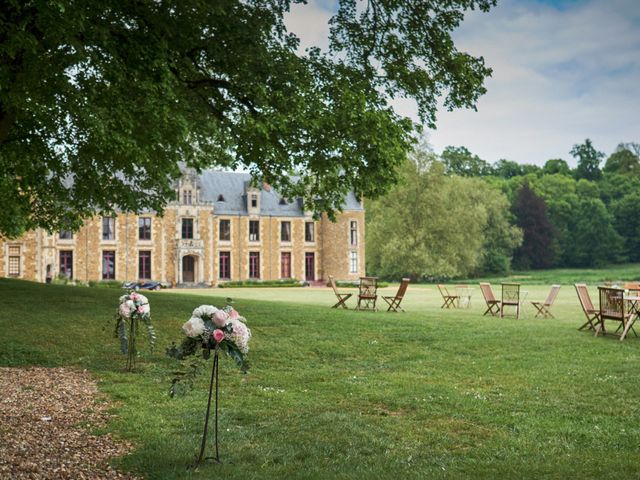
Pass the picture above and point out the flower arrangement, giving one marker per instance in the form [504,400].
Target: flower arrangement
[210,328]
[133,309]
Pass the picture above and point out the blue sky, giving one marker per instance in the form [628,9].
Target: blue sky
[563,71]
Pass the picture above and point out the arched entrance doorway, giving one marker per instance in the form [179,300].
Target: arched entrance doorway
[188,269]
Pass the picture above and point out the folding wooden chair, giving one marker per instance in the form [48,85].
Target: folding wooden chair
[592,314]
[368,293]
[450,301]
[342,297]
[493,305]
[614,307]
[510,297]
[394,302]
[633,287]
[543,307]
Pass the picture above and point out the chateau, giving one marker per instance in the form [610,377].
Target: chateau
[221,228]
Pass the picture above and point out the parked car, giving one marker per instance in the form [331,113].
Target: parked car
[150,285]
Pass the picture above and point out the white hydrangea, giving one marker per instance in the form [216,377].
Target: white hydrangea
[141,299]
[124,310]
[240,335]
[144,309]
[193,327]
[204,311]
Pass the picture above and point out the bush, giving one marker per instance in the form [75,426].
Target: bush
[355,284]
[263,283]
[105,284]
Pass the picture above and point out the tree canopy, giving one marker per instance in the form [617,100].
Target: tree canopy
[100,101]
[432,225]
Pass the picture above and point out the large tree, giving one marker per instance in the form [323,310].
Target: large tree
[530,211]
[432,225]
[589,160]
[101,100]
[460,161]
[623,161]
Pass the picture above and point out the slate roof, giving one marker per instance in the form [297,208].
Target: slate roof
[232,186]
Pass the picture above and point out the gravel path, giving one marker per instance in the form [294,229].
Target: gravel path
[46,415]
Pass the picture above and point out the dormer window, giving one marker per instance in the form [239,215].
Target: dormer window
[254,200]
[221,198]
[186,197]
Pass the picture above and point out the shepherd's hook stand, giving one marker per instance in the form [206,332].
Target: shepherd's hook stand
[214,377]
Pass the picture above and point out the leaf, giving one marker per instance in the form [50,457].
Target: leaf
[123,335]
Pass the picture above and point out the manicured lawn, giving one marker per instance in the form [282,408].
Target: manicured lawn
[344,394]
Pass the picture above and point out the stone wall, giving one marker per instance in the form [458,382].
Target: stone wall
[331,249]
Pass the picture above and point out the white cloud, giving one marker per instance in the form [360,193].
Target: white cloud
[310,23]
[560,76]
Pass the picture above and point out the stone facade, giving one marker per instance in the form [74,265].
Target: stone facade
[199,241]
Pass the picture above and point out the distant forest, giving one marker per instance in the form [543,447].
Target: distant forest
[455,214]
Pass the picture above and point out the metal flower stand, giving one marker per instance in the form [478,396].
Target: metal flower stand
[214,378]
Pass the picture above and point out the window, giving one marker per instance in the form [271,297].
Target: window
[309,232]
[285,231]
[309,266]
[66,235]
[186,197]
[254,230]
[354,262]
[187,228]
[221,198]
[108,265]
[108,228]
[254,264]
[225,230]
[144,228]
[144,265]
[283,201]
[285,265]
[66,263]
[354,233]
[14,260]
[254,201]
[225,265]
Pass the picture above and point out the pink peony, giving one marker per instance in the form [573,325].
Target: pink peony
[233,314]
[140,309]
[134,296]
[220,318]
[218,335]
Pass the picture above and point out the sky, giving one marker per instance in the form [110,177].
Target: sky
[563,71]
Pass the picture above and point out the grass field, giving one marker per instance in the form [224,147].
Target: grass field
[342,394]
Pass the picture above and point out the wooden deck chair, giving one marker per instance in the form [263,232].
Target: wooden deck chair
[633,287]
[394,302]
[368,293]
[493,305]
[614,307]
[342,297]
[543,307]
[450,301]
[592,314]
[510,298]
